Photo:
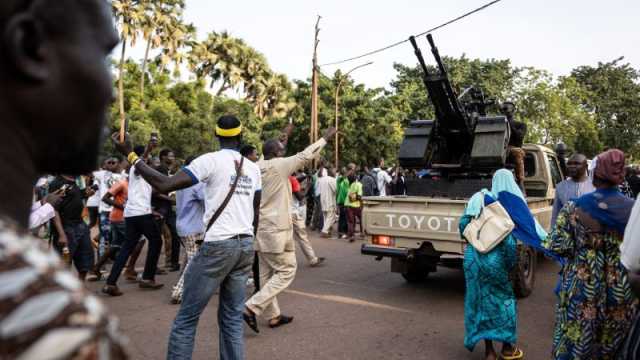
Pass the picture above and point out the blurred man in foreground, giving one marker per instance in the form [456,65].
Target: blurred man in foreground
[55,88]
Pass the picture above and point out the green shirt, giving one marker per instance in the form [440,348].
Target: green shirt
[355,188]
[342,190]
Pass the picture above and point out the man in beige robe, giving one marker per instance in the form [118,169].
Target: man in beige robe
[274,240]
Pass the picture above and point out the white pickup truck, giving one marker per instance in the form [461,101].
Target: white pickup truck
[420,233]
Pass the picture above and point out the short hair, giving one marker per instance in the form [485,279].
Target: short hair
[139,150]
[246,150]
[117,157]
[164,153]
[271,147]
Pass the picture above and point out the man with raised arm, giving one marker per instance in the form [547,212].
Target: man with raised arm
[274,241]
[225,258]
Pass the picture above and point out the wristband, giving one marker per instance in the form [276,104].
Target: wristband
[132,158]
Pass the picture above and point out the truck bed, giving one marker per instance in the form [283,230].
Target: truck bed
[410,220]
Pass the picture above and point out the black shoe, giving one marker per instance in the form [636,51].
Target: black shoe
[251,321]
[282,320]
[112,290]
[149,284]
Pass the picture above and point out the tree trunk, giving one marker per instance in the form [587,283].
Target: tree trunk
[121,87]
[144,69]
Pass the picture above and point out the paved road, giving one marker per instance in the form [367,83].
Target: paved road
[351,308]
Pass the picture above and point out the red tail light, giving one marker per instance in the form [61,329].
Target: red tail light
[383,240]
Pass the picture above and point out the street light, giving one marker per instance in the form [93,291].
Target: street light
[337,98]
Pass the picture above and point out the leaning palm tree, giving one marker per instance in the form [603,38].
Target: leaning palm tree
[128,16]
[161,27]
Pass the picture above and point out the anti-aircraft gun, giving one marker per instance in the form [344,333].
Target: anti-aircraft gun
[463,146]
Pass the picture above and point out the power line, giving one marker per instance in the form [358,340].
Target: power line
[418,35]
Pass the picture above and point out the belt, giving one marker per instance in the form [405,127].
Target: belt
[234,237]
[240,237]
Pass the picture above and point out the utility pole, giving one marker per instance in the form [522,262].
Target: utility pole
[314,86]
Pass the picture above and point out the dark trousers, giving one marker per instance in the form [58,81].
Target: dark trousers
[169,219]
[79,245]
[256,273]
[136,227]
[343,225]
[353,214]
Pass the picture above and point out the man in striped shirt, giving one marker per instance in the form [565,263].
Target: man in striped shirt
[575,186]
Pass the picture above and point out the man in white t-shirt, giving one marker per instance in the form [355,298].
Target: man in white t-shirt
[139,221]
[383,178]
[105,179]
[227,252]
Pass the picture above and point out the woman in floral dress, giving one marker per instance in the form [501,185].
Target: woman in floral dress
[596,305]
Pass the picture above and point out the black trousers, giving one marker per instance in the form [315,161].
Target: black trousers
[136,227]
[170,220]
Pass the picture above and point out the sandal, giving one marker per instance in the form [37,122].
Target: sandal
[251,321]
[282,320]
[515,355]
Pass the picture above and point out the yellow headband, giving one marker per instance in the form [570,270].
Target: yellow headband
[228,132]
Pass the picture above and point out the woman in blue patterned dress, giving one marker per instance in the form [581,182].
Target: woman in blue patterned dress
[595,303]
[490,303]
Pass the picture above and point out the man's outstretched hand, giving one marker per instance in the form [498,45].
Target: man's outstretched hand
[125,148]
[329,133]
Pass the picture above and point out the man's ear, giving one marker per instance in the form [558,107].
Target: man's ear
[24,44]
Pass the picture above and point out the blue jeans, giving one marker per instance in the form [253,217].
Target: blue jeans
[105,233]
[225,264]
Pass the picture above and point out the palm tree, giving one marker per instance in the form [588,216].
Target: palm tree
[128,15]
[161,26]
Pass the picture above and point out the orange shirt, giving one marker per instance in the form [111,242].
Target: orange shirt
[120,192]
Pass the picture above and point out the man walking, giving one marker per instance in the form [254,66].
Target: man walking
[138,221]
[275,246]
[353,203]
[56,86]
[327,185]
[70,232]
[232,189]
[190,211]
[163,205]
[298,216]
[105,179]
[342,190]
[117,198]
[575,186]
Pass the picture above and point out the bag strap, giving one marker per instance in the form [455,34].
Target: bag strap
[224,204]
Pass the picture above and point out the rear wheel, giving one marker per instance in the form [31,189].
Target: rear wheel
[415,276]
[415,272]
[524,275]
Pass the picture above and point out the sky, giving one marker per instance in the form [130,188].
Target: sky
[556,35]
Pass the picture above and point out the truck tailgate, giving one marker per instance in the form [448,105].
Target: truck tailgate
[412,220]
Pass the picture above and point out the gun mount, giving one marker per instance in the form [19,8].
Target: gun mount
[461,138]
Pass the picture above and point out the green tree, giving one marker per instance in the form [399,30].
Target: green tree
[613,95]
